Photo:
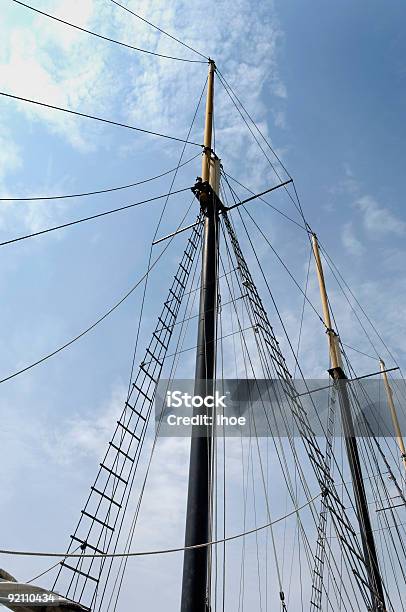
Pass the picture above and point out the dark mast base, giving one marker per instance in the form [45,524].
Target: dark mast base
[368,542]
[195,583]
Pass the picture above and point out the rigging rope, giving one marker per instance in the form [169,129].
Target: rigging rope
[109,190]
[302,312]
[90,218]
[358,351]
[49,569]
[266,374]
[112,40]
[277,255]
[109,121]
[174,365]
[104,316]
[129,434]
[253,122]
[25,553]
[208,543]
[233,97]
[272,165]
[355,559]
[159,29]
[242,265]
[118,581]
[179,165]
[265,202]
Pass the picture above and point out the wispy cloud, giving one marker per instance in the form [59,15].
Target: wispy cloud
[350,241]
[378,220]
[51,62]
[165,96]
[10,154]
[47,61]
[84,437]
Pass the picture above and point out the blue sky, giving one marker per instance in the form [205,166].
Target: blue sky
[325,81]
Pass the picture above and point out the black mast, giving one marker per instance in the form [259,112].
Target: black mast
[361,502]
[195,582]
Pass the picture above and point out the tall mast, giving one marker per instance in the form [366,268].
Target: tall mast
[337,373]
[195,582]
[395,421]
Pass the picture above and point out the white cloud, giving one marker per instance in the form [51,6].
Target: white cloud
[48,61]
[378,220]
[279,89]
[348,170]
[51,62]
[163,95]
[350,241]
[347,185]
[10,154]
[34,216]
[85,436]
[280,119]
[68,68]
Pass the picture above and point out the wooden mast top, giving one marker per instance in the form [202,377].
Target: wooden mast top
[208,124]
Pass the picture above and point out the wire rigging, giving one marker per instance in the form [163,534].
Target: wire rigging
[253,123]
[272,165]
[91,217]
[215,541]
[108,190]
[131,533]
[125,8]
[358,351]
[293,353]
[112,40]
[123,562]
[237,536]
[266,374]
[265,201]
[179,165]
[276,254]
[109,121]
[236,100]
[100,319]
[302,312]
[156,374]
[237,103]
[332,265]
